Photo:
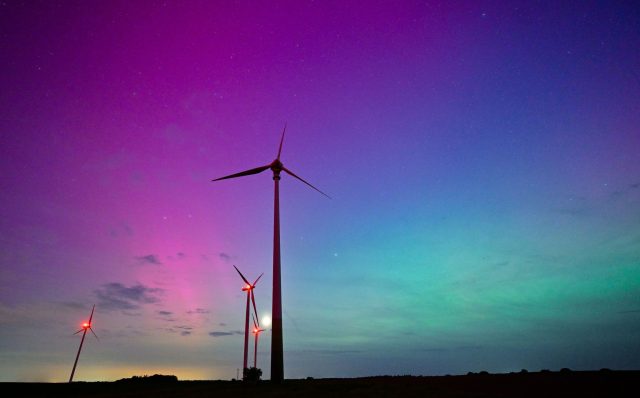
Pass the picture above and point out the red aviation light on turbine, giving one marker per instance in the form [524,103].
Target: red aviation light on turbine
[86,325]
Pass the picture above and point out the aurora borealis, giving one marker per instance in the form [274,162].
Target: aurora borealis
[483,160]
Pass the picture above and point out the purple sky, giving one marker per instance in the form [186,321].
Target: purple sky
[482,157]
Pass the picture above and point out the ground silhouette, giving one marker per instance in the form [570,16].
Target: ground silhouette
[547,384]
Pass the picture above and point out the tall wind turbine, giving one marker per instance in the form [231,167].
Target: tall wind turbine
[250,297]
[277,362]
[256,332]
[85,326]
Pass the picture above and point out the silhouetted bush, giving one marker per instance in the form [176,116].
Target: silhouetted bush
[155,379]
[484,372]
[252,374]
[565,370]
[524,371]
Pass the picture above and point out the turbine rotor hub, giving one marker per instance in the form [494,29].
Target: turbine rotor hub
[276,166]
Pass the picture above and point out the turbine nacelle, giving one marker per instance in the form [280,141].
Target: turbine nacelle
[276,166]
[86,325]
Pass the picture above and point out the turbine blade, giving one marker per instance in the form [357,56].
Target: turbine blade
[94,333]
[245,173]
[91,316]
[281,140]
[293,175]
[253,300]
[78,331]
[242,276]
[254,283]
[255,325]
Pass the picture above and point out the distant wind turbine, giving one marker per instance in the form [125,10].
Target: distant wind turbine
[85,326]
[277,361]
[256,332]
[250,297]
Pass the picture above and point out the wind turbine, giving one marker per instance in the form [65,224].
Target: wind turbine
[277,362]
[250,297]
[256,332]
[85,326]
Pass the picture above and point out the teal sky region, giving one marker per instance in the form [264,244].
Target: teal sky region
[482,160]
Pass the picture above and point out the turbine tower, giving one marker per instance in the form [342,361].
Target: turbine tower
[250,297]
[85,326]
[277,362]
[256,332]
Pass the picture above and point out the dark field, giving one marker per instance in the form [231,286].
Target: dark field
[534,384]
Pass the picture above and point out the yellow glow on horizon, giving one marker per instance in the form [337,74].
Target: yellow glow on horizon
[60,374]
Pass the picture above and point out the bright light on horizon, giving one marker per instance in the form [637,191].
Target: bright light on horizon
[266,321]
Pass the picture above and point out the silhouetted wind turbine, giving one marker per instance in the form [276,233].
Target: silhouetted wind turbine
[85,326]
[256,332]
[277,363]
[250,297]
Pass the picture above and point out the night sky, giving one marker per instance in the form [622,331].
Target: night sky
[483,160]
